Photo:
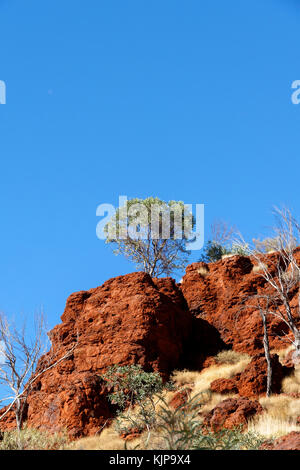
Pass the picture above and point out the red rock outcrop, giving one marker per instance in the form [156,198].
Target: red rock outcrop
[220,292]
[134,319]
[130,319]
[289,442]
[231,413]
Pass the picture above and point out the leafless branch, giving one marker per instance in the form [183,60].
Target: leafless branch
[20,355]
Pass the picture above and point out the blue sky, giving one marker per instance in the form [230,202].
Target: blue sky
[180,100]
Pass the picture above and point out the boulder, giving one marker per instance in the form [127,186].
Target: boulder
[231,413]
[180,398]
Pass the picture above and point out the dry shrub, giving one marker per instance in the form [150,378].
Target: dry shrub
[231,357]
[184,377]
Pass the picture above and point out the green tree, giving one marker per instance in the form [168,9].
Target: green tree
[212,252]
[152,233]
[136,394]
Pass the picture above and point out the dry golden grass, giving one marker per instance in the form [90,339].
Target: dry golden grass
[259,267]
[291,384]
[282,353]
[229,364]
[294,408]
[222,371]
[107,440]
[184,377]
[268,426]
[279,417]
[229,255]
[231,357]
[203,271]
[33,439]
[281,407]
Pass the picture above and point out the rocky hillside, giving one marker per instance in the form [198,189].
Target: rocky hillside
[134,319]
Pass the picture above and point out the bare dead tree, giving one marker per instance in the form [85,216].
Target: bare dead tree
[19,356]
[262,310]
[221,232]
[261,303]
[282,275]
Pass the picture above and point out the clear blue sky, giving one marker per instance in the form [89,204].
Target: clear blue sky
[175,99]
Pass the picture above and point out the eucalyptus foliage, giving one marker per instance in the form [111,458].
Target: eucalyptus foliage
[152,233]
[136,394]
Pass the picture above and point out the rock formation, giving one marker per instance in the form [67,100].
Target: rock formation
[219,292]
[162,326]
[130,319]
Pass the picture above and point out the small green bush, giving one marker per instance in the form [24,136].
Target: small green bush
[213,252]
[136,394]
[239,249]
[131,385]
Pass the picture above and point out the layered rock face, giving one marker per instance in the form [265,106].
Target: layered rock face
[220,292]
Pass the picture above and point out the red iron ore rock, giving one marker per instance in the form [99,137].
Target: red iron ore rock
[231,413]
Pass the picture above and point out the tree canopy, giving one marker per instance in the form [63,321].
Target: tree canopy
[152,233]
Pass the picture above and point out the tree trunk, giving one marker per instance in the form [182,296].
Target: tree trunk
[296,353]
[267,355]
[18,413]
